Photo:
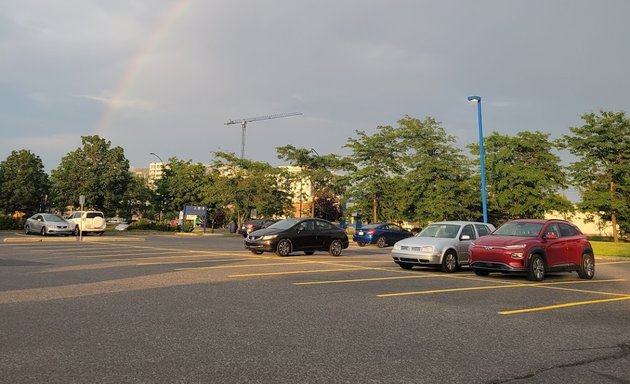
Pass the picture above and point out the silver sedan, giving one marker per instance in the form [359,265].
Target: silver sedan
[47,224]
[443,244]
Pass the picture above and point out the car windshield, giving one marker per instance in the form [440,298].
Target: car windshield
[54,218]
[284,224]
[520,229]
[446,231]
[369,226]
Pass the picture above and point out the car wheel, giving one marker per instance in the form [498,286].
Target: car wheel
[587,267]
[27,230]
[481,272]
[536,268]
[255,252]
[283,248]
[43,231]
[76,231]
[449,262]
[405,266]
[361,244]
[381,242]
[335,248]
[309,252]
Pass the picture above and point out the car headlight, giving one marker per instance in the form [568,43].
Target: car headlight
[517,246]
[269,237]
[396,247]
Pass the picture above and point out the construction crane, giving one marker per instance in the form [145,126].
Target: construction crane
[244,122]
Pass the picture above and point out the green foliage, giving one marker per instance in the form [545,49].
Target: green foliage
[602,173]
[523,176]
[10,223]
[24,186]
[184,183]
[97,171]
[412,172]
[319,171]
[152,226]
[242,185]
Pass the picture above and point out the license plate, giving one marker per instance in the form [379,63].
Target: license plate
[360,233]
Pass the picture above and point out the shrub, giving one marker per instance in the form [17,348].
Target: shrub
[10,223]
[152,226]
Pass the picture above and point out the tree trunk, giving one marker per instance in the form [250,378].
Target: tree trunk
[374,209]
[613,215]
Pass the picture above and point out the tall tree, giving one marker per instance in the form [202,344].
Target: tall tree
[98,171]
[437,173]
[374,160]
[242,185]
[524,176]
[602,172]
[24,185]
[318,170]
[183,183]
[410,172]
[138,199]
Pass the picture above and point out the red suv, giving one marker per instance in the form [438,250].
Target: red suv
[533,247]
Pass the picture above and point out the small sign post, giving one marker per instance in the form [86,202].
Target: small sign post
[81,203]
[196,210]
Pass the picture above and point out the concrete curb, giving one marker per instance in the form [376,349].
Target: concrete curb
[71,239]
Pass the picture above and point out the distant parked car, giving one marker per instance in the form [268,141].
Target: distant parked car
[534,247]
[47,224]
[293,235]
[253,225]
[443,244]
[381,234]
[87,222]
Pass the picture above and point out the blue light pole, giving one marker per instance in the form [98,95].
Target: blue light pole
[482,162]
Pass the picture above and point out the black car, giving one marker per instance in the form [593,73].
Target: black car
[300,234]
[253,225]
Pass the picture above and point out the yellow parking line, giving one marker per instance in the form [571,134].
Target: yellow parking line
[235,266]
[450,290]
[565,305]
[537,285]
[362,280]
[190,262]
[613,262]
[292,272]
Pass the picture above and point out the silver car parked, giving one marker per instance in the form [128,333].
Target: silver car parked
[443,244]
[47,224]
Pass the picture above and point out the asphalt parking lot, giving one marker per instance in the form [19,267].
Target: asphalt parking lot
[201,309]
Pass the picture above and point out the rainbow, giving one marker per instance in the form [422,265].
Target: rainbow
[164,23]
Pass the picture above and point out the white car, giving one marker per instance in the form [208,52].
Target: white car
[443,244]
[87,222]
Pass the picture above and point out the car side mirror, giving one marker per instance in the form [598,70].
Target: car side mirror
[464,237]
[551,236]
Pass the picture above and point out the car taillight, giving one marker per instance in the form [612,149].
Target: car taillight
[250,225]
[371,231]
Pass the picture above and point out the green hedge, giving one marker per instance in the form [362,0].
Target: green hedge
[157,226]
[9,223]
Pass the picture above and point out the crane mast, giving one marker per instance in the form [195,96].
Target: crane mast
[246,120]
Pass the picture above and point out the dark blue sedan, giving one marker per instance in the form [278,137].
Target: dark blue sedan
[381,234]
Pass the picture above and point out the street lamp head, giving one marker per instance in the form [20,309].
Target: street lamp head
[474,99]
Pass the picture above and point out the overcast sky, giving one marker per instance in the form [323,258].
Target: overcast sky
[164,75]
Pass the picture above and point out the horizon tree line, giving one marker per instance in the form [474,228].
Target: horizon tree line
[409,172]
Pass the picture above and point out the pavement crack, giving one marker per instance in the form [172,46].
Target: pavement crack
[622,350]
